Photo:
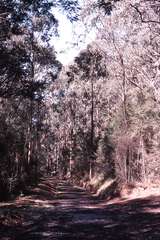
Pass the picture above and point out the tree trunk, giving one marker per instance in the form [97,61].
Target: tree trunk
[92,129]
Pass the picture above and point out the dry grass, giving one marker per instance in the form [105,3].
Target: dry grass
[141,191]
[111,189]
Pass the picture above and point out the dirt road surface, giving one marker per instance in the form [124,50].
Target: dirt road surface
[66,212]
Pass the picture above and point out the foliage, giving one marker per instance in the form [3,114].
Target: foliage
[109,122]
[28,66]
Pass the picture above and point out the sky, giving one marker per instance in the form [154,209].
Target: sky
[72,38]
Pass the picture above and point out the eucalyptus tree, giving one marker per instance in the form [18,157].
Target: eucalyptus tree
[92,66]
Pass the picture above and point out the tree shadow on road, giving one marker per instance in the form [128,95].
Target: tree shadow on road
[71,213]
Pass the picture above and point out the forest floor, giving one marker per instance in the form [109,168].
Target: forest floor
[66,212]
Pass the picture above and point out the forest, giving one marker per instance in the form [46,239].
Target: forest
[95,122]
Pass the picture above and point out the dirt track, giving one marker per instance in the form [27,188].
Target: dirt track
[72,213]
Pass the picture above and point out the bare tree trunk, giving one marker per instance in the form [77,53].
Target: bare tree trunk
[123,81]
[143,160]
[92,128]
[70,155]
[30,135]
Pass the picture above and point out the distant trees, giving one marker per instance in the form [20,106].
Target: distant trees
[81,84]
[92,67]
